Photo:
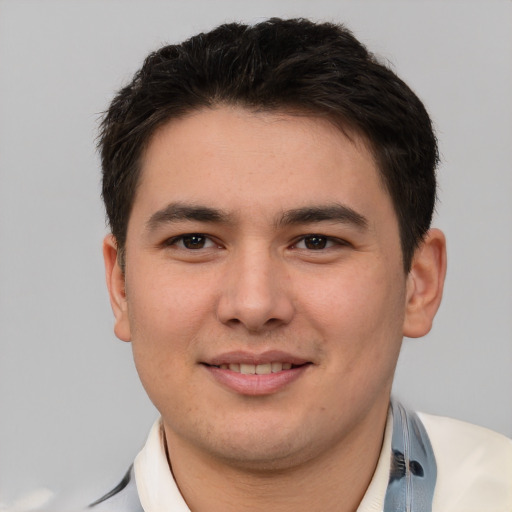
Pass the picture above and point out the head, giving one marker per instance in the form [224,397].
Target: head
[287,66]
[267,187]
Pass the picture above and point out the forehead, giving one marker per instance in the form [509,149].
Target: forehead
[235,153]
[255,168]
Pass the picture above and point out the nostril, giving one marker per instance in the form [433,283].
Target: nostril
[233,322]
[256,309]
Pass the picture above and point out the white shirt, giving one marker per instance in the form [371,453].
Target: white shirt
[474,470]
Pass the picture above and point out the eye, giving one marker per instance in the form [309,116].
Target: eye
[316,242]
[192,241]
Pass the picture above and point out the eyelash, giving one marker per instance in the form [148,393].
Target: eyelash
[328,241]
[174,241]
[333,241]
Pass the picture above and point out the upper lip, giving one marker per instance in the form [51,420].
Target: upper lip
[243,357]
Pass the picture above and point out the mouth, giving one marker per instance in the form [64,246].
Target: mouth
[257,369]
[256,374]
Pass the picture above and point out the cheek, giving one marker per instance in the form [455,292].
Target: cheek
[164,326]
[359,317]
[167,299]
[166,314]
[359,310]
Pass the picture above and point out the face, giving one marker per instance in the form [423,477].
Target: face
[264,291]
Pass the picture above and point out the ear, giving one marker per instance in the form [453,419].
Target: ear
[116,288]
[425,284]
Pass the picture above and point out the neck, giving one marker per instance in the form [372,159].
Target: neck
[332,481]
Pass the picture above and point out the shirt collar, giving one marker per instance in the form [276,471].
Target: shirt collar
[158,490]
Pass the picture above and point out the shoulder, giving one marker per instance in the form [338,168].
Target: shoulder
[474,466]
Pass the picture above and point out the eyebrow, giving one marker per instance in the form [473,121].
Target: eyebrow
[335,212]
[175,212]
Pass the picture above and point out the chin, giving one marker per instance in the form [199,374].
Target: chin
[263,447]
[263,457]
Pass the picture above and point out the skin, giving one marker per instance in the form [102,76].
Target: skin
[256,280]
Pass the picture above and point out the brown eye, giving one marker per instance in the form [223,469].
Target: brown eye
[315,242]
[191,242]
[194,241]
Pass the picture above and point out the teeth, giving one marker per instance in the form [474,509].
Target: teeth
[256,369]
[247,369]
[276,367]
[263,369]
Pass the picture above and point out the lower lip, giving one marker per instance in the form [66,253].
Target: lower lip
[256,385]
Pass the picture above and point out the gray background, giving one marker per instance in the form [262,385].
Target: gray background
[72,412]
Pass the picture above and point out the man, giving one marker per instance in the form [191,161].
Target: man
[270,191]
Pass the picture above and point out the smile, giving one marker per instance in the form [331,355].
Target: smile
[256,369]
[256,374]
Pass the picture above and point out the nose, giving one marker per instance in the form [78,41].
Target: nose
[255,292]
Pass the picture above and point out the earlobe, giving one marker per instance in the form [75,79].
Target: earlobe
[425,284]
[116,288]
